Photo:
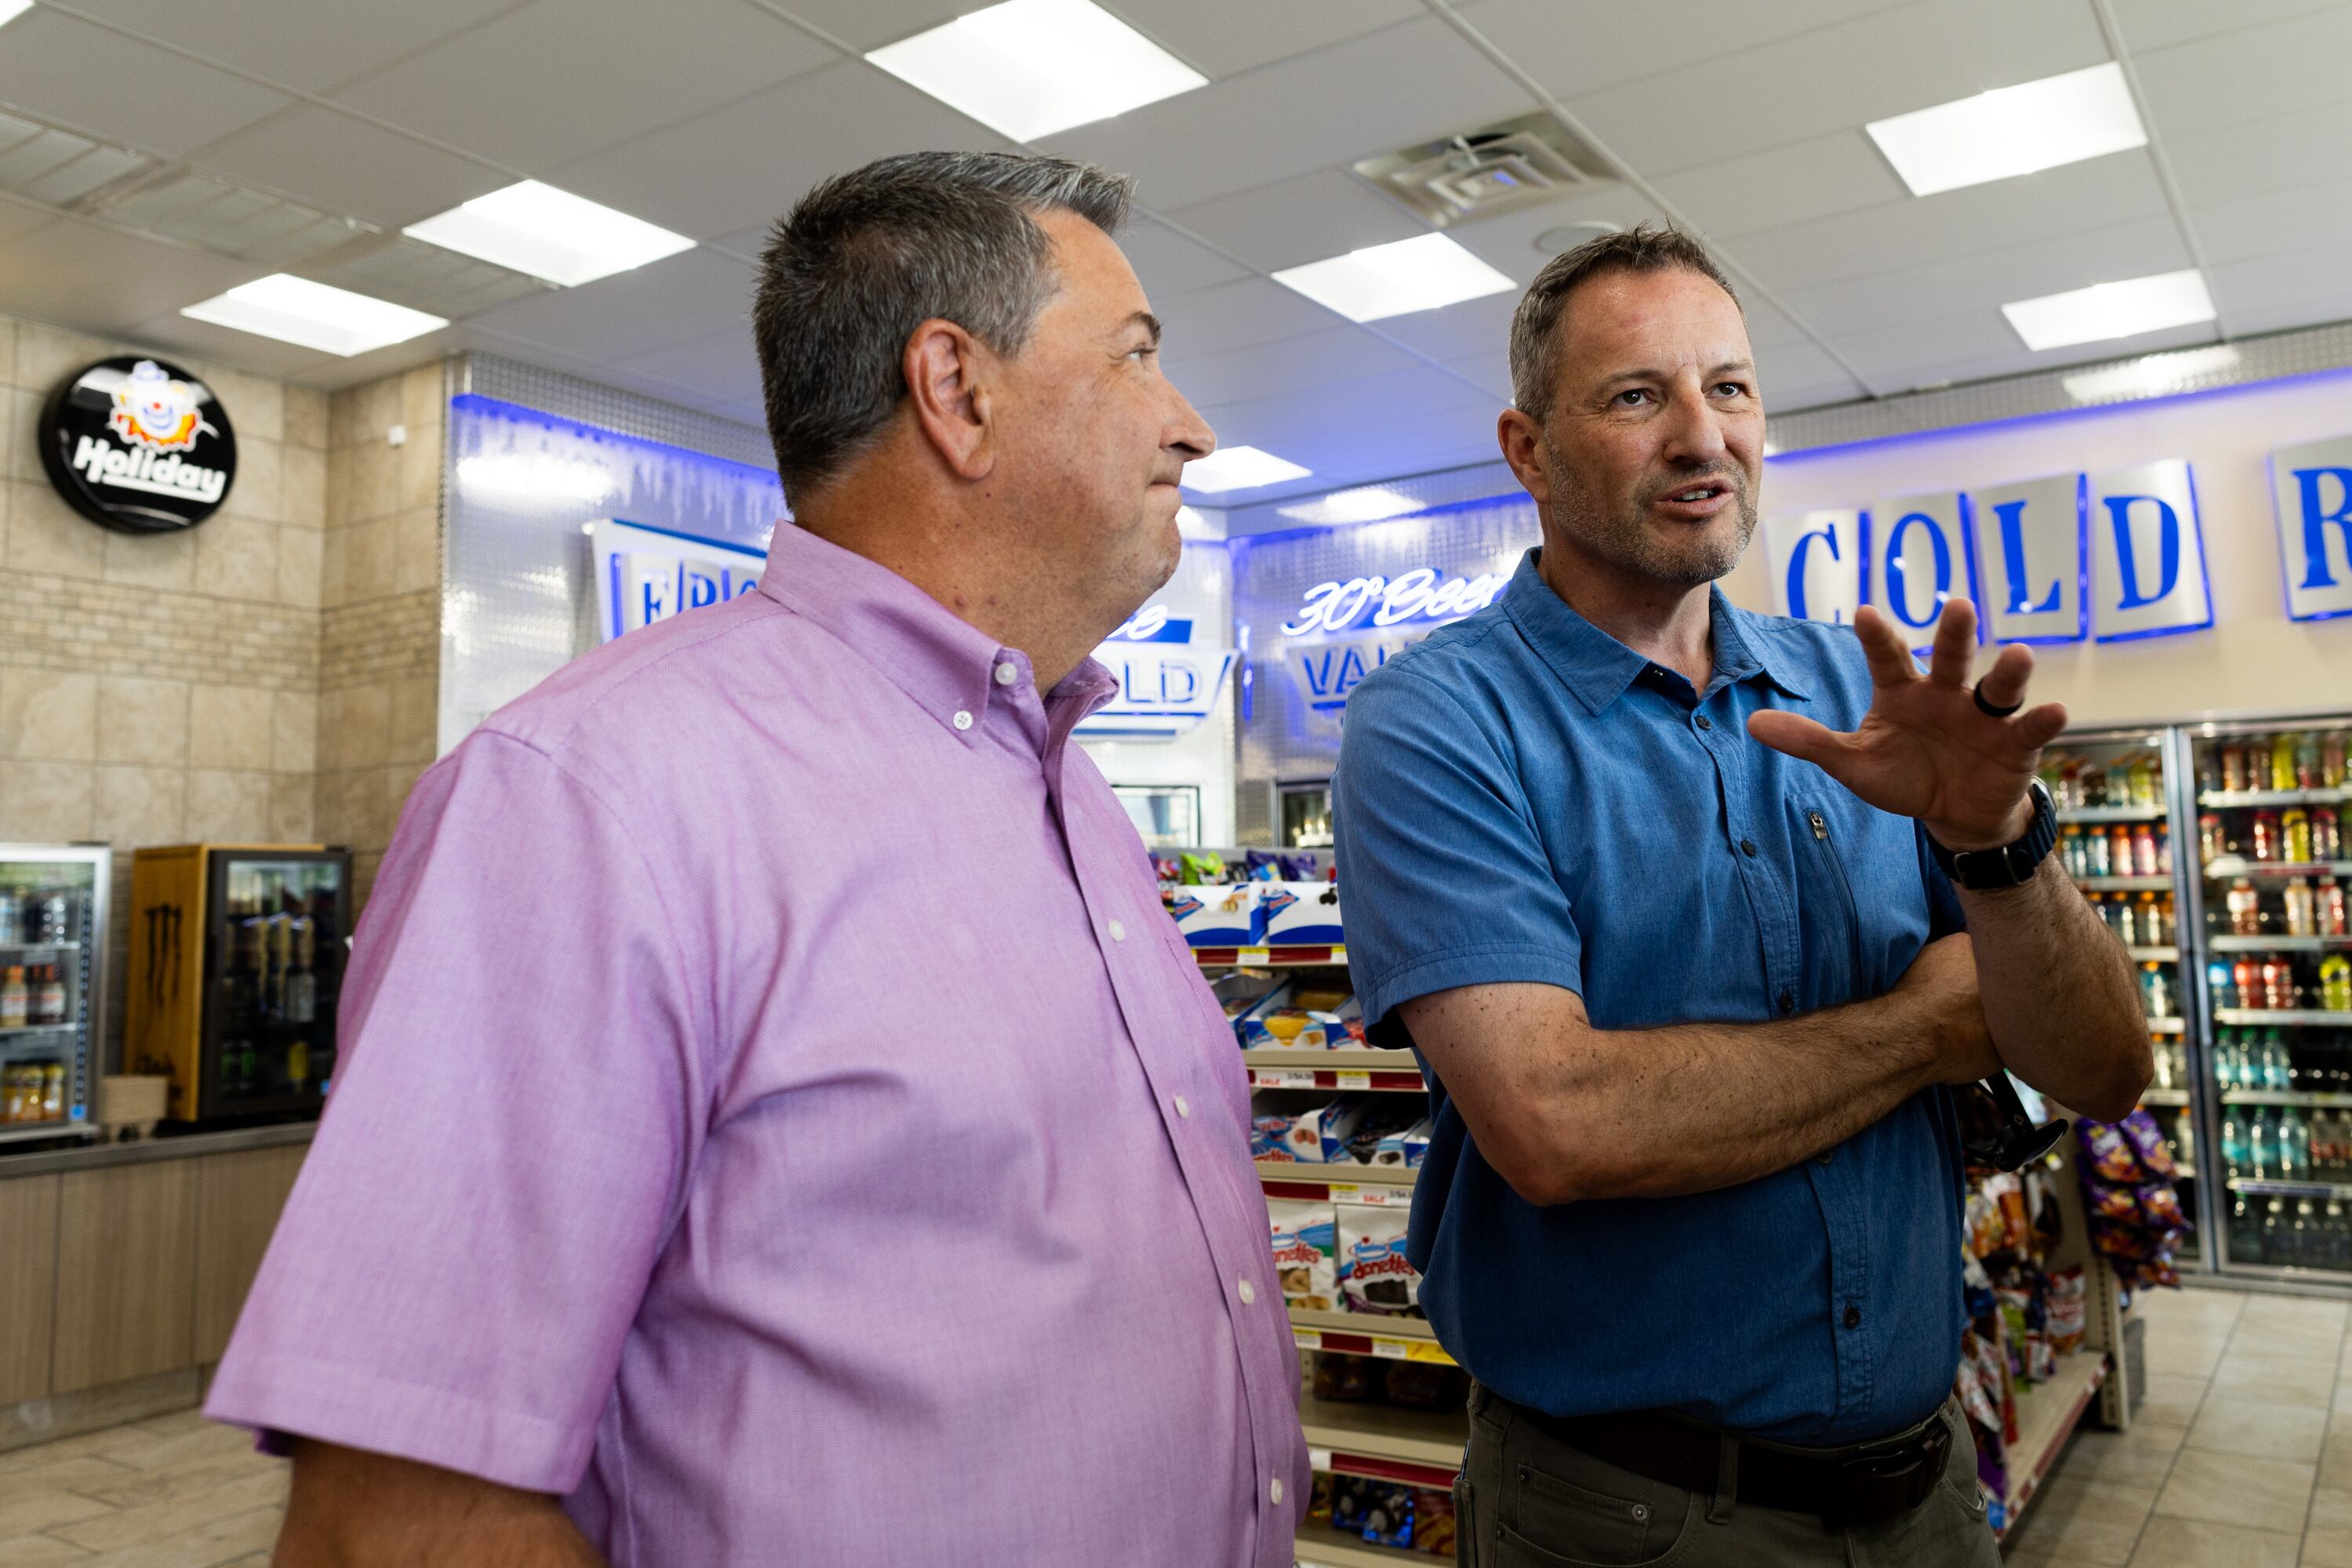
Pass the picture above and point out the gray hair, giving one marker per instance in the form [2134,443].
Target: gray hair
[1535,326]
[866,256]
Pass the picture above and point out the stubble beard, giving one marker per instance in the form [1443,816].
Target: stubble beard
[1622,538]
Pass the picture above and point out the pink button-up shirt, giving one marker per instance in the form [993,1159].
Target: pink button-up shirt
[776,1115]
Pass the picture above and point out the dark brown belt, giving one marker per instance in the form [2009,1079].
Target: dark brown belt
[1866,1484]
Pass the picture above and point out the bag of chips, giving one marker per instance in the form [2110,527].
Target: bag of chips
[2063,1305]
[2146,1140]
[2109,1154]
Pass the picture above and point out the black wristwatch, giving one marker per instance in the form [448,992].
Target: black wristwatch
[2011,865]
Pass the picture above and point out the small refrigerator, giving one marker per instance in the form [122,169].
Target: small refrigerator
[236,969]
[52,958]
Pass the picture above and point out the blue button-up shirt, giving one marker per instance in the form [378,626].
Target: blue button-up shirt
[1522,798]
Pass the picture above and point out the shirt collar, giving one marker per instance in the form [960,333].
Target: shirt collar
[946,663]
[1597,669]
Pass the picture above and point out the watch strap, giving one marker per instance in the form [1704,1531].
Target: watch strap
[2011,865]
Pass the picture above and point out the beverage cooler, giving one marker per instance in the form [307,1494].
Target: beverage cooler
[52,936]
[235,971]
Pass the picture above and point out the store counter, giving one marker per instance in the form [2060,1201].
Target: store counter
[127,1265]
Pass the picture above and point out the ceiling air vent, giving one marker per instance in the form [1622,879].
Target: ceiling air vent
[54,167]
[1496,169]
[178,203]
[422,277]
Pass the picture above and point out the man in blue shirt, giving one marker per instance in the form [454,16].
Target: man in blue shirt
[1664,893]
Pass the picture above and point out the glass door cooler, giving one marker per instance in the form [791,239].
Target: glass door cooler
[52,933]
[2114,791]
[2273,806]
[236,973]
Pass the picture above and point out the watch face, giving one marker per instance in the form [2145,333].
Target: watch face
[139,446]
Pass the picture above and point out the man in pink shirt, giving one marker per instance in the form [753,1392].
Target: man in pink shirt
[780,1124]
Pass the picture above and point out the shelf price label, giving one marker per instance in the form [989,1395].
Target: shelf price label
[1282,1078]
[1355,1080]
[1394,1350]
[1252,955]
[1307,1339]
[1319,1458]
[1375,1198]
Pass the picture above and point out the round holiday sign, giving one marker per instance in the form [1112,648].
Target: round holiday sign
[138,445]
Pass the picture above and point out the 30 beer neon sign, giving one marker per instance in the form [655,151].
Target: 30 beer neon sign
[1420,594]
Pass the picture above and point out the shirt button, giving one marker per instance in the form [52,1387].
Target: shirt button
[1248,1292]
[962,720]
[1854,1317]
[1118,932]
[1703,723]
[1823,1159]
[1788,1003]
[1007,673]
[1274,1489]
[1183,1106]
[1748,847]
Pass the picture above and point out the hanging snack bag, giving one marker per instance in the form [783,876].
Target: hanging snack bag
[2146,1139]
[2064,1307]
[1374,1275]
[1306,1241]
[2109,1154]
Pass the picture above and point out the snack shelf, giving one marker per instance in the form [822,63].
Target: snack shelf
[1394,1071]
[1271,957]
[2228,866]
[2285,1097]
[2046,1416]
[2277,943]
[1319,1546]
[2302,1017]
[2114,814]
[1361,1333]
[2124,884]
[2165,1097]
[2226,797]
[1340,1431]
[1375,1186]
[2289,1189]
[2154,954]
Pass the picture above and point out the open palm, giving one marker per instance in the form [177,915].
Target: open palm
[1926,748]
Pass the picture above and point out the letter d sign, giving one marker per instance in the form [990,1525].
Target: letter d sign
[2148,553]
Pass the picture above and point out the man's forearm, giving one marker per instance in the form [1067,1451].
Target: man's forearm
[351,1509]
[2058,995]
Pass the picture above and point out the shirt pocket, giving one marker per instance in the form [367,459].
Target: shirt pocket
[1837,968]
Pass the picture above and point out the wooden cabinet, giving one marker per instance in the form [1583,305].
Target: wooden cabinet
[126,1275]
[238,1199]
[28,1230]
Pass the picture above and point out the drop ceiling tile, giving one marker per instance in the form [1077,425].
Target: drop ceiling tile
[1952,285]
[1491,369]
[1169,264]
[687,298]
[1793,371]
[741,167]
[1507,242]
[2095,194]
[1292,365]
[1767,326]
[1306,218]
[22,217]
[2235,77]
[1580,48]
[1222,37]
[359,368]
[1456,331]
[1236,315]
[1802,181]
[724,368]
[103,281]
[2297,288]
[1354,99]
[346,165]
[60,67]
[1982,344]
[2302,147]
[1831,389]
[2155,24]
[299,42]
[2308,218]
[1840,77]
[174,332]
[1388,409]
[559,79]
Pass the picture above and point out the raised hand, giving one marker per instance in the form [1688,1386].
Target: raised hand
[1927,747]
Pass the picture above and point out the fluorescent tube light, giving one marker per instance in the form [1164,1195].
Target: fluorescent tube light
[549,234]
[1371,503]
[2112,309]
[1395,279]
[1239,468]
[1030,67]
[12,9]
[2012,131]
[315,315]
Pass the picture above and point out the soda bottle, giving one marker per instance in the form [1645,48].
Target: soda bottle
[2302,1238]
[2294,836]
[2261,1147]
[2143,850]
[2331,760]
[2307,766]
[49,999]
[2326,834]
[2302,911]
[2143,781]
[2246,976]
[2221,984]
[2121,919]
[2322,1127]
[2098,854]
[2294,1147]
[2237,770]
[2156,991]
[2274,1231]
[2245,1231]
[16,998]
[2336,982]
[2244,907]
[2278,1067]
[2120,852]
[2278,986]
[2283,760]
[2329,912]
[2266,835]
[2156,920]
[2339,1238]
[2071,852]
[2209,836]
[2236,1153]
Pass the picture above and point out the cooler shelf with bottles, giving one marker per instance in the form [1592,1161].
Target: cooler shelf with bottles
[2115,792]
[2273,802]
[52,932]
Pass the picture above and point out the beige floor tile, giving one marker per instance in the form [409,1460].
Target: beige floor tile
[17,1460]
[2236,1489]
[38,1552]
[220,1541]
[187,1477]
[2185,1357]
[2171,1400]
[81,1474]
[2227,1425]
[2276,1383]
[2140,1457]
[146,1450]
[2193,1543]
[2327,1543]
[24,1509]
[2084,1522]
[175,1517]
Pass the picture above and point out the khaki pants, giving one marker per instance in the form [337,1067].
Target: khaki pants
[1524,1500]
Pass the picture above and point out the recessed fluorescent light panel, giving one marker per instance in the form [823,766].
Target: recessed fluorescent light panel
[12,9]
[2108,310]
[1396,279]
[297,311]
[1370,503]
[2012,131]
[1030,67]
[549,234]
[1239,468]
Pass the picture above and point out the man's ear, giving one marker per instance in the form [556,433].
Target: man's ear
[1522,445]
[947,375]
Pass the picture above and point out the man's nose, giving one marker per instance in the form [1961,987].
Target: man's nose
[1694,432]
[1188,433]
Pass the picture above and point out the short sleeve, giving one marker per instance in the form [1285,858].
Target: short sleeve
[515,1101]
[1442,879]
